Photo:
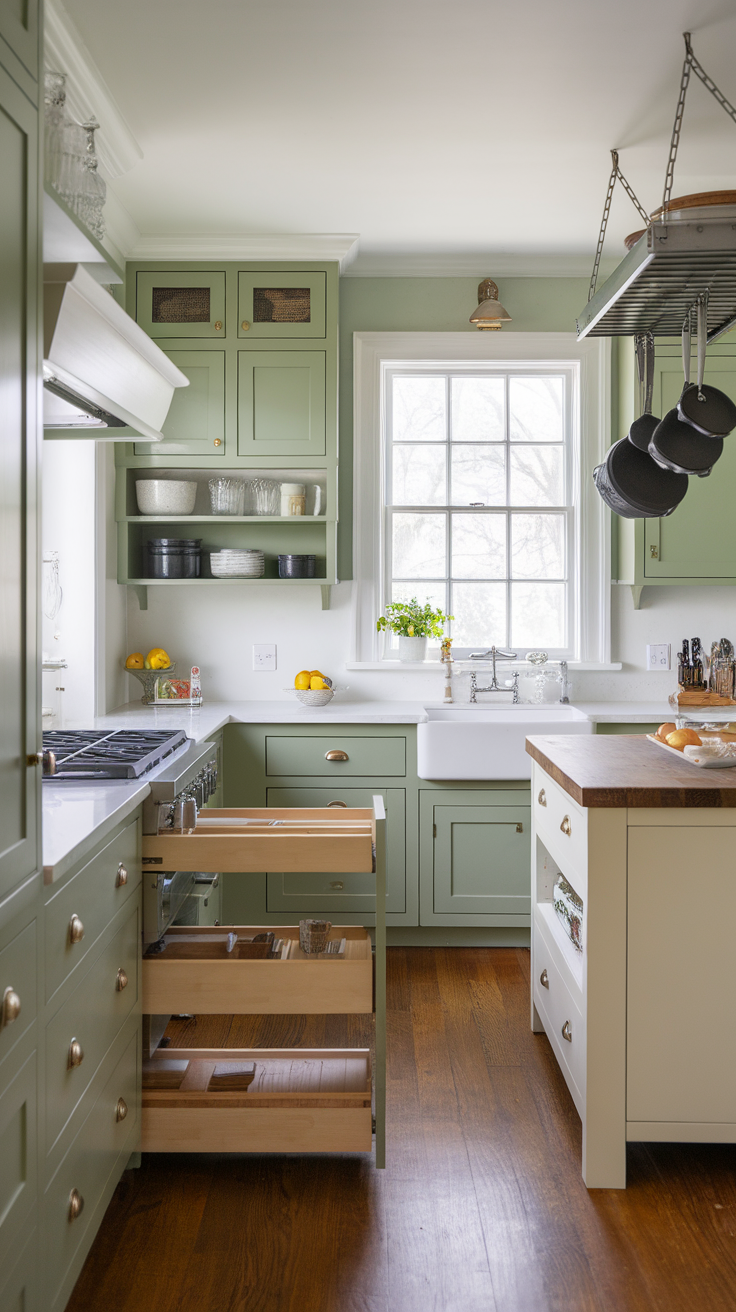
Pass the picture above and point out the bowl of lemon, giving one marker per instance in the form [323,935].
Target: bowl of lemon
[148,669]
[313,688]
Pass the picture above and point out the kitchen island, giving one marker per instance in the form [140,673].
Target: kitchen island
[639,1011]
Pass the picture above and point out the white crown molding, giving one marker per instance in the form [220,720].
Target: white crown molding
[316,246]
[468,265]
[87,91]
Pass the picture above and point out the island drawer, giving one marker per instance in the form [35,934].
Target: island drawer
[336,756]
[201,977]
[246,839]
[562,1019]
[562,826]
[300,1100]
[18,969]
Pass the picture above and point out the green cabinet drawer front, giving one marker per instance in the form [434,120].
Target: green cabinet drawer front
[93,896]
[699,539]
[281,403]
[289,755]
[18,1153]
[195,424]
[181,304]
[88,1165]
[20,1293]
[343,895]
[626,728]
[279,305]
[92,1015]
[481,859]
[18,972]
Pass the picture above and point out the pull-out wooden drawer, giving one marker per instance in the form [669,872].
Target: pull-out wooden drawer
[244,839]
[299,1100]
[195,973]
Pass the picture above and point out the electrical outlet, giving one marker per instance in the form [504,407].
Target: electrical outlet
[658,656]
[264,655]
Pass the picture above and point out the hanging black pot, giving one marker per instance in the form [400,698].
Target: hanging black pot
[707,408]
[675,444]
[640,433]
[634,486]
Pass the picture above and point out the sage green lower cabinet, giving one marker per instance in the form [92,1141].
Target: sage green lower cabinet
[343,896]
[22,1279]
[195,424]
[627,728]
[281,403]
[474,857]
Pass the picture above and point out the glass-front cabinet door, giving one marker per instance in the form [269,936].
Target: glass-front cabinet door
[281,403]
[195,424]
[280,305]
[181,304]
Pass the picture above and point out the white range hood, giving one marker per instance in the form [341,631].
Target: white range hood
[101,372]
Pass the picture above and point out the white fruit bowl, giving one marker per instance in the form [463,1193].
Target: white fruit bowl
[313,697]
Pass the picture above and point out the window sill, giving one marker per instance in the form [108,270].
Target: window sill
[437,666]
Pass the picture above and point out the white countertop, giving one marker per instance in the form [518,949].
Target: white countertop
[72,812]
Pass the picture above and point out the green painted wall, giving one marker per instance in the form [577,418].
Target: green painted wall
[547,305]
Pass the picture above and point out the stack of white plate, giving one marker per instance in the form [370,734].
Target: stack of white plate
[245,564]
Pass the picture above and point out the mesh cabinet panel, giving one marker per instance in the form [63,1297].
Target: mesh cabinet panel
[281,305]
[180,305]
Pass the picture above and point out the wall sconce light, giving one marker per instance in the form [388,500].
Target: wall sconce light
[490,313]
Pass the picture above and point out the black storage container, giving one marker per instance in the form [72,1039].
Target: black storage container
[174,558]
[297,567]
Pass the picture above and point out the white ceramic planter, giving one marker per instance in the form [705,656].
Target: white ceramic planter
[412,649]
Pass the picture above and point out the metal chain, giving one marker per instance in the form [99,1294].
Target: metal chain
[615,174]
[690,63]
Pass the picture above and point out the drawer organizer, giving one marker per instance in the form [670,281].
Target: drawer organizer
[268,1100]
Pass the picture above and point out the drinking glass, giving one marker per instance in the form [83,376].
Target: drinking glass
[227,496]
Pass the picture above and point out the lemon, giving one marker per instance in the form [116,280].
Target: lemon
[302,679]
[134,661]
[157,659]
[317,683]
[316,674]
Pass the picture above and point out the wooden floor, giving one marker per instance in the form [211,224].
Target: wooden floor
[481,1208]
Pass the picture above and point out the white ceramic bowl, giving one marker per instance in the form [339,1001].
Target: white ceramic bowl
[165,496]
[315,696]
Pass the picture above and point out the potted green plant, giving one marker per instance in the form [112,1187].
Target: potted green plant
[413,624]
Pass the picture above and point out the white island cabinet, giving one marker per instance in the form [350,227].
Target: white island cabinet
[639,1013]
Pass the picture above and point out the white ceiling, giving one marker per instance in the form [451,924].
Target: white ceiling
[454,137]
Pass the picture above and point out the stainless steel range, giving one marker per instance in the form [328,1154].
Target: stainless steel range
[90,754]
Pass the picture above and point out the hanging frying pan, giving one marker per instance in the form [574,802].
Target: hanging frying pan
[675,445]
[642,428]
[634,486]
[708,409]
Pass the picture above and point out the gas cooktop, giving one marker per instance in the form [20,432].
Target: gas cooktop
[87,754]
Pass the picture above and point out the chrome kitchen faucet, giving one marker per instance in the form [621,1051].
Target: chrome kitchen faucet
[495,653]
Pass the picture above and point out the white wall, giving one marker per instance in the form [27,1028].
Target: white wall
[68,521]
[216,627]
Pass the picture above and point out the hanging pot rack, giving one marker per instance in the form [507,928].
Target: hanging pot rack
[681,256]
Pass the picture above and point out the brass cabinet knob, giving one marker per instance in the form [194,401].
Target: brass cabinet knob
[76,930]
[566,1031]
[121,876]
[121,1110]
[542,798]
[76,1204]
[217,441]
[566,827]
[76,1054]
[245,325]
[336,756]
[11,1007]
[544,979]
[218,325]
[121,981]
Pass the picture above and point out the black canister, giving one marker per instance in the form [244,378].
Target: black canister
[174,558]
[297,567]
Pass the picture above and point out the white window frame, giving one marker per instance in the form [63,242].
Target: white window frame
[374,355]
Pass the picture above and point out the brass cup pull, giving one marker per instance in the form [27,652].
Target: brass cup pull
[566,1031]
[76,930]
[121,1110]
[542,798]
[76,1054]
[566,827]
[121,877]
[544,979]
[336,755]
[76,1204]
[337,885]
[337,803]
[11,1007]
[121,981]
[218,325]
[245,325]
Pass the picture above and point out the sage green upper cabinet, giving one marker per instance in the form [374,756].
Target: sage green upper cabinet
[697,542]
[19,371]
[181,304]
[195,424]
[281,305]
[281,403]
[475,862]
[19,40]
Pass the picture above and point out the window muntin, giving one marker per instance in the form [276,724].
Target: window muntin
[479,515]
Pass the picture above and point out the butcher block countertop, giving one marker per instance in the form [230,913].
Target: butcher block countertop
[628,771]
